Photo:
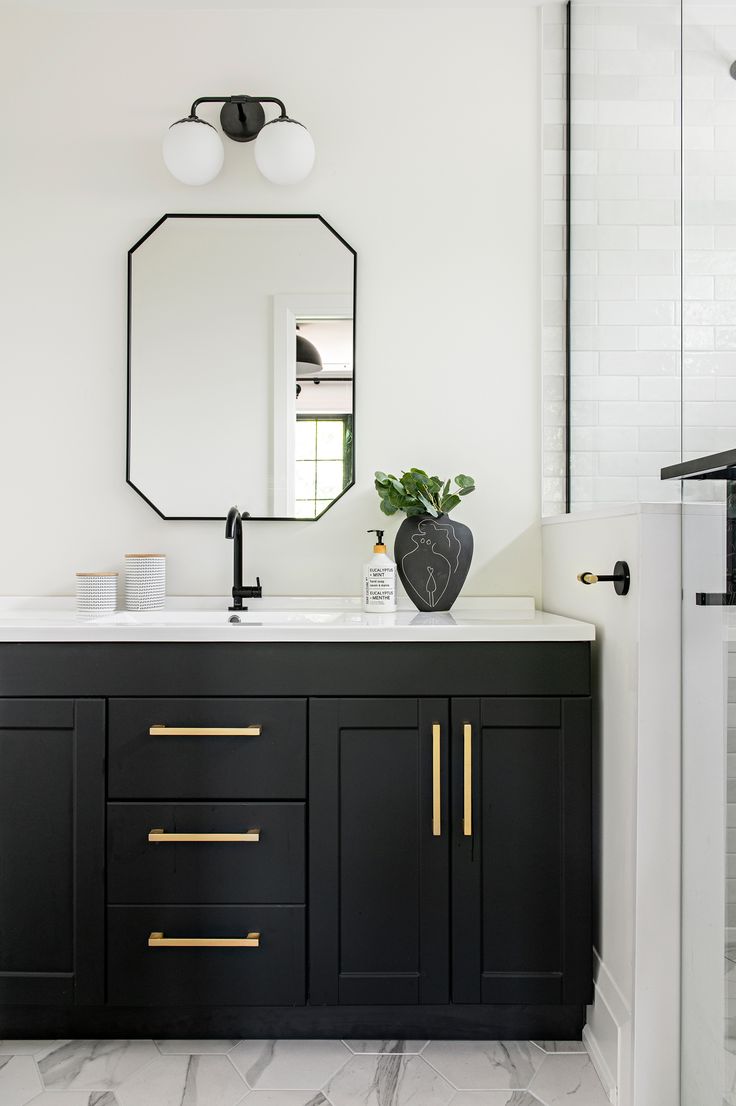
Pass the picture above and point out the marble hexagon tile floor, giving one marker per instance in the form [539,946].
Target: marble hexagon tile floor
[297,1073]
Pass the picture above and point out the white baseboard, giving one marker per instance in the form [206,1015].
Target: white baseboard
[608,1037]
[600,1065]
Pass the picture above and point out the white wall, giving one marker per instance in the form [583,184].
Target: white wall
[707,1067]
[427,131]
[632,1028]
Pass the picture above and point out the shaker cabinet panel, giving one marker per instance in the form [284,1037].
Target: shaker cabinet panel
[208,748]
[205,852]
[521,851]
[206,955]
[378,896]
[52,825]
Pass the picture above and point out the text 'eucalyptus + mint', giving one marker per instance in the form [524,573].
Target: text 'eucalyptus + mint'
[379,578]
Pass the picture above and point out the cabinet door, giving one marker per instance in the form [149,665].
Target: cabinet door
[378,875]
[52,831]
[521,850]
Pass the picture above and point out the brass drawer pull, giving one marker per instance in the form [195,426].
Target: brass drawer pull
[205,731]
[436,782]
[467,780]
[160,837]
[158,941]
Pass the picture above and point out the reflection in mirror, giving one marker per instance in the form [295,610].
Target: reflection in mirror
[324,416]
[241,366]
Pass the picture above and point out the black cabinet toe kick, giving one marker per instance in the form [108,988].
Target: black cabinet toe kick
[453,1022]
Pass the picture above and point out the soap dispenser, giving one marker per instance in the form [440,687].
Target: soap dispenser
[379,578]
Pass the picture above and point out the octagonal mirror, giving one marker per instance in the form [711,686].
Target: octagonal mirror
[241,367]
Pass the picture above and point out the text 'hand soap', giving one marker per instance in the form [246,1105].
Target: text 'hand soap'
[379,579]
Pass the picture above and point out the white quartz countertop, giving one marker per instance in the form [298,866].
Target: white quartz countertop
[328,619]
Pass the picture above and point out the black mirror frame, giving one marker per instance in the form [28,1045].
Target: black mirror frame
[131,251]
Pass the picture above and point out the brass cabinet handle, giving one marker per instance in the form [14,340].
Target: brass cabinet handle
[436,782]
[467,780]
[205,731]
[160,837]
[158,941]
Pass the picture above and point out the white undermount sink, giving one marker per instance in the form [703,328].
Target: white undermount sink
[222,617]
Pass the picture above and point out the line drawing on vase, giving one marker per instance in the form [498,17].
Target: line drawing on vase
[438,577]
[447,528]
[431,584]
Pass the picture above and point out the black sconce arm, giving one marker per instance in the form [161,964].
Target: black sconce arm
[238,100]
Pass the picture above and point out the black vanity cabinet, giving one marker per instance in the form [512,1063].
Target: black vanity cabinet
[206,878]
[461,818]
[379,857]
[52,843]
[521,850]
[370,840]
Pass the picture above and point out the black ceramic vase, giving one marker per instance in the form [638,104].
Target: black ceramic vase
[433,557]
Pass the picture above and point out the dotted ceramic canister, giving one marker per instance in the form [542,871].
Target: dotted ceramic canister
[97,593]
[145,581]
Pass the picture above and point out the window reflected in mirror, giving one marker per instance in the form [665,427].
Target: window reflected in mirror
[324,417]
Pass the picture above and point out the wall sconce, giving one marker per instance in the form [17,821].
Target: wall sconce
[194,153]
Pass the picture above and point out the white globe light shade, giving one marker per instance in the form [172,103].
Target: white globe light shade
[193,151]
[284,151]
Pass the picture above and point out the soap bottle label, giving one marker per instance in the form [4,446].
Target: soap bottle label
[380,587]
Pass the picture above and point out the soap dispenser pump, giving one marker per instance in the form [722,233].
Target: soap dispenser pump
[379,578]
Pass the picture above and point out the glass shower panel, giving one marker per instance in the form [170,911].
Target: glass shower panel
[708,631]
[625,237]
[652,382]
[709,232]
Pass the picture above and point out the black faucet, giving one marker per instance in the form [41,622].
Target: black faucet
[234,531]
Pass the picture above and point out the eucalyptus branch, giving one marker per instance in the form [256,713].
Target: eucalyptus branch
[417,493]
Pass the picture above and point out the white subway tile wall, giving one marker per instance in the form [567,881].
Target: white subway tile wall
[653,347]
[709,215]
[553,257]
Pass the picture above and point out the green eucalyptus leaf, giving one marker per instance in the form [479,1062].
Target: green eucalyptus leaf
[429,506]
[449,503]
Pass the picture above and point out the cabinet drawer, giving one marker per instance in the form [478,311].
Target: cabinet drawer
[271,974]
[268,761]
[266,867]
